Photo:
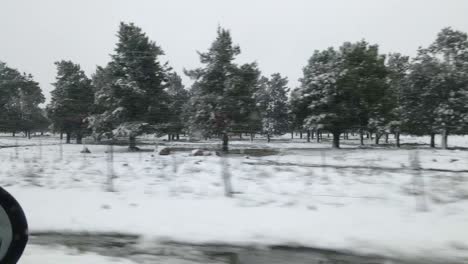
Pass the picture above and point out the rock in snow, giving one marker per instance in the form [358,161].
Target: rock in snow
[197,152]
[85,150]
[164,151]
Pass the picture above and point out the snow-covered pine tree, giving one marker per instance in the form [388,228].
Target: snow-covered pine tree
[72,100]
[298,109]
[222,92]
[438,87]
[343,89]
[420,101]
[364,80]
[327,104]
[130,89]
[30,97]
[273,100]
[178,97]
[450,49]
[19,102]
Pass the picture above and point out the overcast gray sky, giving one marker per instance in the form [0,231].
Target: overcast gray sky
[279,35]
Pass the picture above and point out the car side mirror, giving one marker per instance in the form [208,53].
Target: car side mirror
[13,229]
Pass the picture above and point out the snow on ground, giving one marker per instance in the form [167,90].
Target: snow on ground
[59,255]
[351,204]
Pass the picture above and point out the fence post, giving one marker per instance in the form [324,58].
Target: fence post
[110,167]
[418,182]
[226,175]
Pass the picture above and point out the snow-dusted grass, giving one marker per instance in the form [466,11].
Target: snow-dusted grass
[363,200]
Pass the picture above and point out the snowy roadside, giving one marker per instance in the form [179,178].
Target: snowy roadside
[364,229]
[180,198]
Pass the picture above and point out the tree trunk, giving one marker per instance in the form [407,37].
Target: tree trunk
[397,137]
[300,135]
[79,138]
[386,138]
[132,143]
[336,140]
[377,138]
[13,134]
[240,135]
[252,135]
[29,134]
[308,135]
[444,139]
[318,135]
[178,136]
[225,142]
[328,135]
[312,135]
[68,134]
[268,137]
[368,135]
[361,137]
[168,137]
[432,140]
[61,135]
[292,135]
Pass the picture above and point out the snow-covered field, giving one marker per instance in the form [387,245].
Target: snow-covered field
[367,201]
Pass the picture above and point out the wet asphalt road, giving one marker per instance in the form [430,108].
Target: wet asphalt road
[131,247]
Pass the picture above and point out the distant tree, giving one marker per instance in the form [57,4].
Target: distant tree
[298,104]
[72,100]
[178,97]
[222,94]
[246,116]
[398,67]
[40,121]
[273,100]
[130,90]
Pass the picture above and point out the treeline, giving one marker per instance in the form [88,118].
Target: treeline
[352,89]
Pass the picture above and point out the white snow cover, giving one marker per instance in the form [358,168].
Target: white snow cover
[284,199]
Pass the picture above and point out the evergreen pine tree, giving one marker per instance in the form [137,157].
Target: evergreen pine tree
[274,103]
[222,94]
[398,67]
[130,89]
[72,100]
[178,97]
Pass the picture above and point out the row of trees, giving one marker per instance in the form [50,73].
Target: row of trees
[136,93]
[356,89]
[350,89]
